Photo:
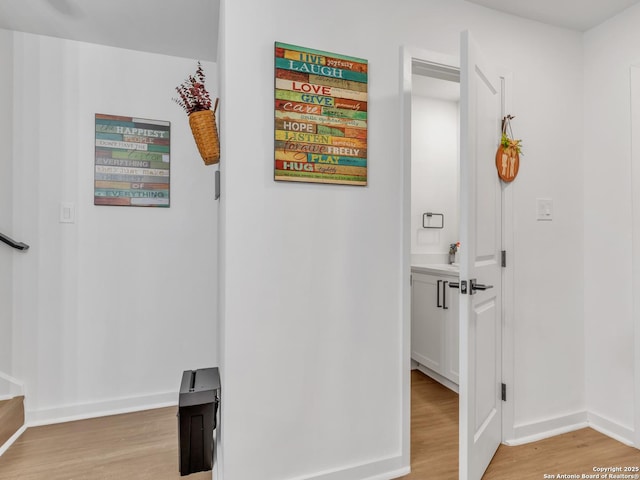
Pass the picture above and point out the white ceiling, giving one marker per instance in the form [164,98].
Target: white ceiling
[578,15]
[189,28]
[182,28]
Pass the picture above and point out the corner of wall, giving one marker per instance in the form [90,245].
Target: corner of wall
[548,427]
[6,200]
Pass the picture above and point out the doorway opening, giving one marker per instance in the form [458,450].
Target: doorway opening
[434,231]
[435,192]
[419,65]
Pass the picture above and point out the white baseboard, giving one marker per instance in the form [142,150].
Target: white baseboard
[438,378]
[611,429]
[386,469]
[4,447]
[69,413]
[534,431]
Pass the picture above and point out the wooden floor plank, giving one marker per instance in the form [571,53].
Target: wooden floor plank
[434,430]
[144,446]
[434,444]
[11,417]
[133,446]
[574,453]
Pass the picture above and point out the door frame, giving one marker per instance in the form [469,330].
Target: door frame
[443,62]
[634,80]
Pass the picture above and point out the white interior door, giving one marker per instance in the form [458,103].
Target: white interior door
[480,262]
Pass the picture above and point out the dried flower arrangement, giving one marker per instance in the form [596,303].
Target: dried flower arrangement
[194,97]
[196,101]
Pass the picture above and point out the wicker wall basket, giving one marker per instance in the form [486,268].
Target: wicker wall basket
[205,133]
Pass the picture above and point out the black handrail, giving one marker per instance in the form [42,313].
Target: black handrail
[12,243]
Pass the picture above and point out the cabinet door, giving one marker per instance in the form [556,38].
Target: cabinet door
[452,334]
[427,323]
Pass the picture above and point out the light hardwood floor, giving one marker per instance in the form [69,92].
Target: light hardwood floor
[133,446]
[141,446]
[11,417]
[434,444]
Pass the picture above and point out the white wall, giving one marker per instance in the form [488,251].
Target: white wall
[547,313]
[6,213]
[311,304]
[110,309]
[434,175]
[610,50]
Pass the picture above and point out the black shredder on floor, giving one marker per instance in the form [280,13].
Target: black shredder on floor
[197,410]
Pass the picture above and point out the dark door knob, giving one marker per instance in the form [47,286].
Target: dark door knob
[478,286]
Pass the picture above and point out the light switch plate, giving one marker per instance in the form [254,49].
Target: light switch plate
[544,209]
[67,212]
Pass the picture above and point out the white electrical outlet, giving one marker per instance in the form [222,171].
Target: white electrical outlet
[544,209]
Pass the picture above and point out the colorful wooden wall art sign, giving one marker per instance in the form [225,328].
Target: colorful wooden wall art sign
[320,116]
[132,162]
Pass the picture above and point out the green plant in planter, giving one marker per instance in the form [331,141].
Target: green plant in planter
[507,143]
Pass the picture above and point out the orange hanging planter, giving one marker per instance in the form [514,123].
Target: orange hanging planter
[507,163]
[508,154]
[205,134]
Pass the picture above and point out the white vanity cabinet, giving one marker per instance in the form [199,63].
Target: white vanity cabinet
[435,323]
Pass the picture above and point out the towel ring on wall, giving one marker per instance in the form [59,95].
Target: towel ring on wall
[427,216]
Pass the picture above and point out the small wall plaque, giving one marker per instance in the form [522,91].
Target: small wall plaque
[132,162]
